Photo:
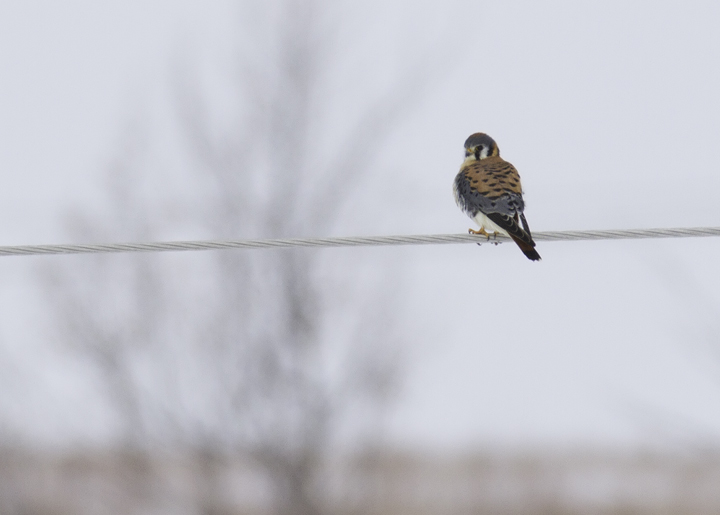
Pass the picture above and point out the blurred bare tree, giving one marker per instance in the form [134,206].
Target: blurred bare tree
[229,354]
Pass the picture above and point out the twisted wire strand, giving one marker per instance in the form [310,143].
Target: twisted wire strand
[367,241]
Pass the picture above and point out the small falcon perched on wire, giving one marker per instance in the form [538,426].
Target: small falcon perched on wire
[488,190]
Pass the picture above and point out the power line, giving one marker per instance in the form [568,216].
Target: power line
[430,239]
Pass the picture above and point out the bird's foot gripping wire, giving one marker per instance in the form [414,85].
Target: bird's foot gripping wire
[483,232]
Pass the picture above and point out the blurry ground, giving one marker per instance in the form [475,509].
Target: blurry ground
[597,483]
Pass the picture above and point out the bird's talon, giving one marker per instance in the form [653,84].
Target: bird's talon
[481,232]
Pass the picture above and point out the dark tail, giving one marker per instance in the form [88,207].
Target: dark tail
[519,235]
[527,249]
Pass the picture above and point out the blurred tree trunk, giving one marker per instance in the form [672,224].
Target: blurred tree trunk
[225,353]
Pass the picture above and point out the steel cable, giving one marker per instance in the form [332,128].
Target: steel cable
[366,241]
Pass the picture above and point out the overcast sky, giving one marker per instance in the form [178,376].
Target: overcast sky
[610,111]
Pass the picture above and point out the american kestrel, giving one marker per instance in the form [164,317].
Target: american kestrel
[488,190]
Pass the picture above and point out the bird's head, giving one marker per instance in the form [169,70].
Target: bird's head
[479,146]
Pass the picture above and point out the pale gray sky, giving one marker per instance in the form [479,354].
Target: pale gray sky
[610,112]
